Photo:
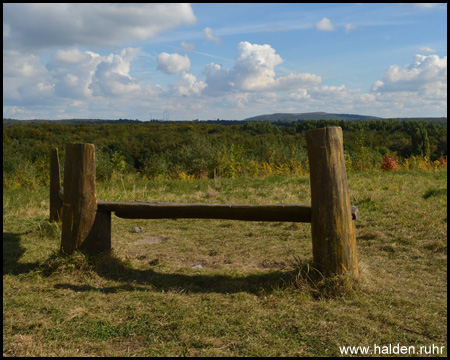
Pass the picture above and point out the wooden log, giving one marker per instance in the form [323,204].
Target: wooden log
[246,212]
[55,186]
[80,202]
[332,227]
[158,210]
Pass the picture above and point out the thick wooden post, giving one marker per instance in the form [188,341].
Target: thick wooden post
[80,201]
[332,227]
[55,186]
[99,239]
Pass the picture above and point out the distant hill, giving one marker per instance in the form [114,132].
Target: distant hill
[290,117]
[310,116]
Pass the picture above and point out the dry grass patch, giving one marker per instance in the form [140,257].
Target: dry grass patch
[256,293]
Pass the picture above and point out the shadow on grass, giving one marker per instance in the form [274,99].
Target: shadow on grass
[303,276]
[111,268]
[12,252]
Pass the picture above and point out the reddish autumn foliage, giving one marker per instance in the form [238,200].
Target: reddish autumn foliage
[389,163]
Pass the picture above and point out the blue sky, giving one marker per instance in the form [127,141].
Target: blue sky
[228,61]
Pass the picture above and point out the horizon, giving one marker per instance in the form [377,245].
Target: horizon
[237,120]
[223,61]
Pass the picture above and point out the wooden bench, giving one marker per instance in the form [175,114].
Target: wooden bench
[87,220]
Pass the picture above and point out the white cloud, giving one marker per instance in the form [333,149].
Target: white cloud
[254,70]
[422,5]
[329,92]
[423,73]
[298,95]
[70,56]
[410,104]
[340,99]
[208,33]
[324,25]
[218,80]
[173,63]
[112,76]
[20,65]
[187,46]
[72,71]
[21,75]
[72,76]
[6,31]
[40,25]
[425,49]
[187,85]
[74,81]
[349,27]
[254,66]
[296,81]
[412,88]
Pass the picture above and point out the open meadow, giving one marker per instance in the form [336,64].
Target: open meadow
[229,288]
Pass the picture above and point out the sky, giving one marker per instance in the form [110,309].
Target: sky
[225,61]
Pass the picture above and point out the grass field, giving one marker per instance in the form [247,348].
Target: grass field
[254,294]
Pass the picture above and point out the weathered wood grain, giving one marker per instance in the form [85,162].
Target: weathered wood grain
[332,227]
[80,202]
[245,212]
[55,185]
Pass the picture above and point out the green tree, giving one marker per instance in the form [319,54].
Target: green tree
[420,142]
[118,162]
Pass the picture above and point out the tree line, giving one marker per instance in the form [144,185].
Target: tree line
[202,149]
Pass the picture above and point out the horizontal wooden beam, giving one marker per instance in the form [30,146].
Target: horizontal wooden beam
[249,212]
[246,212]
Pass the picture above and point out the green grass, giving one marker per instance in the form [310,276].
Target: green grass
[255,295]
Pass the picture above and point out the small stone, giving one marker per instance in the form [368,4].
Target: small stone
[196,266]
[137,229]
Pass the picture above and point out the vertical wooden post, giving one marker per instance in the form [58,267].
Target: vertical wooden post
[55,185]
[332,227]
[99,239]
[80,201]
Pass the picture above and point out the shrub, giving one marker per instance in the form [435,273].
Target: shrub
[251,169]
[118,162]
[389,163]
[156,166]
[103,166]
[442,162]
[27,174]
[365,159]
